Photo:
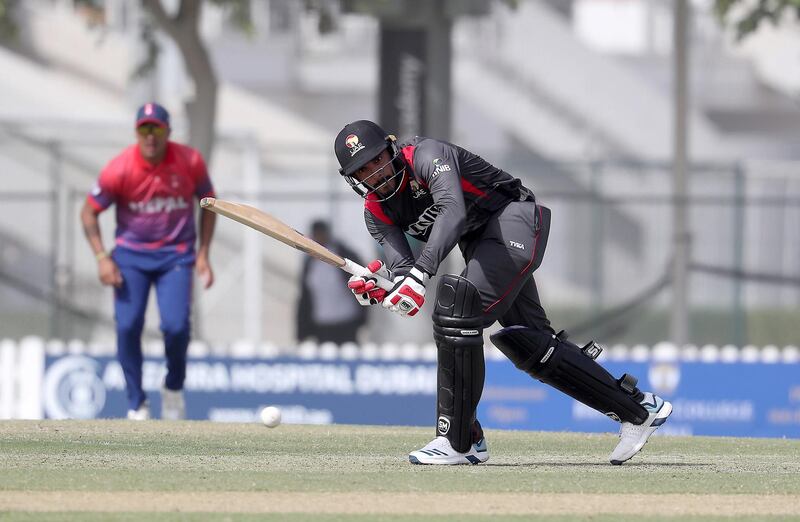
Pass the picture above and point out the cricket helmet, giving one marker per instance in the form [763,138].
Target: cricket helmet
[358,143]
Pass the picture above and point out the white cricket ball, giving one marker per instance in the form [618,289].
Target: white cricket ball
[271,416]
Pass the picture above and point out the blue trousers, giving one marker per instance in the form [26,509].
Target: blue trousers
[171,274]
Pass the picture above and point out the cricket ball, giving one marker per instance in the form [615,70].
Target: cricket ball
[271,416]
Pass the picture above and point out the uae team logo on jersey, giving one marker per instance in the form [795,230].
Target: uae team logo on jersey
[416,190]
[353,144]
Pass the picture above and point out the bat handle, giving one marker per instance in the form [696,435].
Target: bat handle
[354,268]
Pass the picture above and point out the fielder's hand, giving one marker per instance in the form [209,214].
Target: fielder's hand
[408,293]
[365,288]
[108,272]
[204,271]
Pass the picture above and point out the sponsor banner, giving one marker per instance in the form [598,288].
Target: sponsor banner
[235,390]
[737,399]
[742,399]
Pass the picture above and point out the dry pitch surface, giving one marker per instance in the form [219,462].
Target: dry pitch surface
[119,470]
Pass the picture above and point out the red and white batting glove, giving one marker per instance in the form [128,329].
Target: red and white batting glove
[365,288]
[408,293]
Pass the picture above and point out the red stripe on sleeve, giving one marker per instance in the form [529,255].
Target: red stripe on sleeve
[466,186]
[95,205]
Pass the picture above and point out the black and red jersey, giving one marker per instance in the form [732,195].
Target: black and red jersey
[447,194]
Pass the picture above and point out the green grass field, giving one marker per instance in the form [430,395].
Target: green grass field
[120,470]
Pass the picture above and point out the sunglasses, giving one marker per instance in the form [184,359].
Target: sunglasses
[155,130]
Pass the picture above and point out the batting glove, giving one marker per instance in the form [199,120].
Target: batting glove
[365,288]
[408,293]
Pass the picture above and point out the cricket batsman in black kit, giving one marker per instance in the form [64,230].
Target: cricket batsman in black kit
[445,196]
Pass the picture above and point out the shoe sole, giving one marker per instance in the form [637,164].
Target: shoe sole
[468,460]
[657,422]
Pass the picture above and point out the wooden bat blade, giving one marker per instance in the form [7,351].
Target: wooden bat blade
[277,229]
[274,228]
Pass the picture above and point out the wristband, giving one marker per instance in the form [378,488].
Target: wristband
[101,255]
[421,276]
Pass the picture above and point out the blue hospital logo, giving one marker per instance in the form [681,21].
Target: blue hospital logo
[664,377]
[73,389]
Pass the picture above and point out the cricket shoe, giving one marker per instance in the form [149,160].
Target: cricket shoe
[439,451]
[173,407]
[140,413]
[634,436]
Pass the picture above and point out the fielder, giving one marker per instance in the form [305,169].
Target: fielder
[153,184]
[445,196]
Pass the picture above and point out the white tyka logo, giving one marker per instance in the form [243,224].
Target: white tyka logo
[73,390]
[425,221]
[443,425]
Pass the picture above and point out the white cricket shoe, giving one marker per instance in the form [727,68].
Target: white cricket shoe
[141,413]
[439,451]
[634,436]
[173,407]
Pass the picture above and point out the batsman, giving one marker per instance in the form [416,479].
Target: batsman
[444,195]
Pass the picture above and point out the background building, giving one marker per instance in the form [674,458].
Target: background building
[574,97]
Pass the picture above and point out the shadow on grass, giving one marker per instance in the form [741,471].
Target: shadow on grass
[695,465]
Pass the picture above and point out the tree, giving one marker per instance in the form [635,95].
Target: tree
[184,29]
[753,13]
[8,24]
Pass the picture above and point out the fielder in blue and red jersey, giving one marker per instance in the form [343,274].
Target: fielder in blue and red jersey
[153,184]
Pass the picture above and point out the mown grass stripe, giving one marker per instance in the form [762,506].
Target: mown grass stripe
[401,503]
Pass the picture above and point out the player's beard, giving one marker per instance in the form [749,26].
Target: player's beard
[386,187]
[389,185]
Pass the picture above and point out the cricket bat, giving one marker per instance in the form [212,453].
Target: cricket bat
[277,229]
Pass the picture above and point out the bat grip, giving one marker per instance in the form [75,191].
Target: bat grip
[354,268]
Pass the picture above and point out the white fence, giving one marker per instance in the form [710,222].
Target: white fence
[21,370]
